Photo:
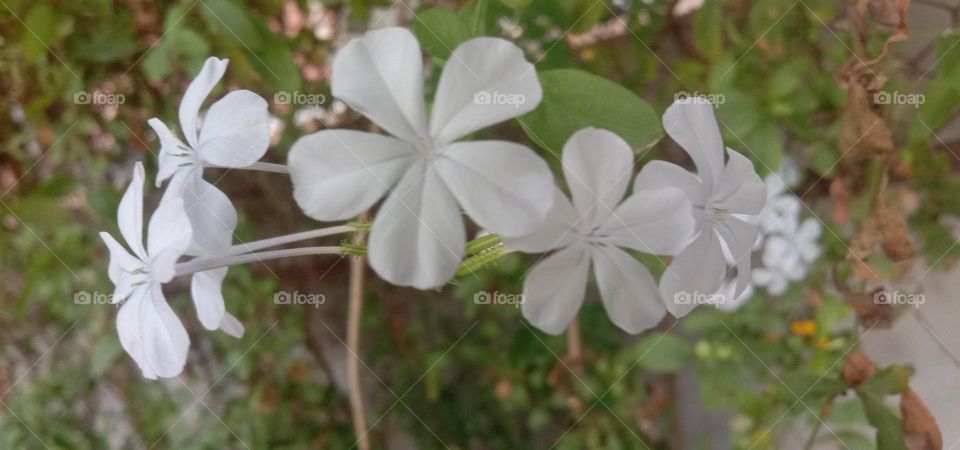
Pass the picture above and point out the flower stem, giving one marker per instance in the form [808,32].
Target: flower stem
[354,316]
[253,246]
[204,264]
[258,166]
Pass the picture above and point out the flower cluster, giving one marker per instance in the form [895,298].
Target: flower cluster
[431,175]
[789,245]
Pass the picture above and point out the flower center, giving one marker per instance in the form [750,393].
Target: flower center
[425,148]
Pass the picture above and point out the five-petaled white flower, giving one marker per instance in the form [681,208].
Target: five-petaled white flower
[598,166]
[787,255]
[235,133]
[149,330]
[418,236]
[718,192]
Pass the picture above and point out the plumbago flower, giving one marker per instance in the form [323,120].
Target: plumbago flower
[418,237]
[235,133]
[719,191]
[595,229]
[149,330]
[787,255]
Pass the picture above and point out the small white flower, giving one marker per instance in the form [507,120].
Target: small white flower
[719,192]
[149,330]
[418,235]
[782,209]
[786,257]
[598,166]
[235,133]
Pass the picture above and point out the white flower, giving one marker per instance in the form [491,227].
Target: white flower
[718,192]
[149,330]
[782,209]
[787,256]
[418,235]
[235,133]
[598,166]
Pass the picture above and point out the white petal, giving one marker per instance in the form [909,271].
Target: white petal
[417,238]
[213,218]
[692,125]
[657,174]
[485,81]
[558,229]
[504,187]
[152,334]
[130,213]
[381,76]
[698,270]
[174,156]
[231,326]
[121,267]
[657,221]
[236,130]
[741,190]
[197,92]
[629,293]
[168,235]
[553,290]
[337,174]
[597,165]
[739,236]
[205,288]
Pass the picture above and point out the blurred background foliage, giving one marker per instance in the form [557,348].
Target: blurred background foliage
[443,371]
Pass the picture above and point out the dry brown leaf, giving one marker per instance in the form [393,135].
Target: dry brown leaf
[863,132]
[895,238]
[862,246]
[857,368]
[920,430]
[869,312]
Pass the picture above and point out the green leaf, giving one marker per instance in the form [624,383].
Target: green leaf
[661,352]
[475,16]
[231,21]
[708,30]
[889,428]
[574,99]
[517,4]
[888,381]
[440,31]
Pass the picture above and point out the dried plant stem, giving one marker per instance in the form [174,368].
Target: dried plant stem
[354,317]
[574,347]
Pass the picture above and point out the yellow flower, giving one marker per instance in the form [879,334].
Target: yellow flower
[803,328]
